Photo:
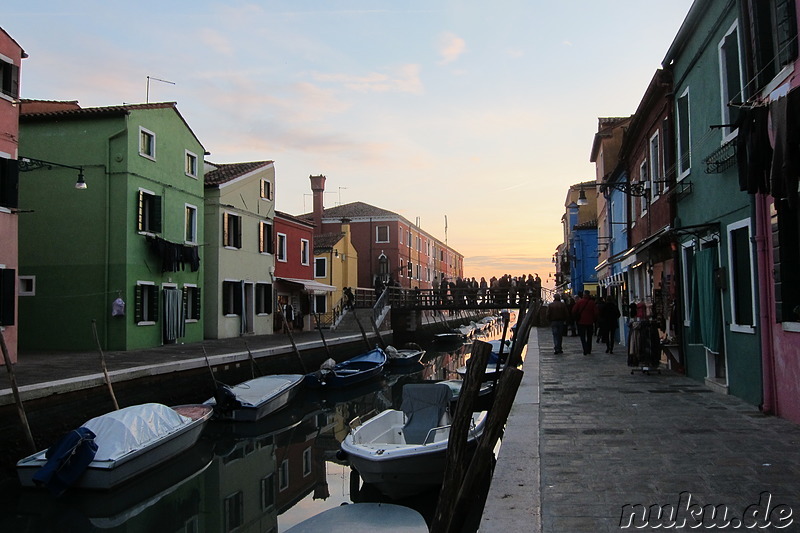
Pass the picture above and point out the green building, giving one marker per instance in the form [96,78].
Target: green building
[125,252]
[714,226]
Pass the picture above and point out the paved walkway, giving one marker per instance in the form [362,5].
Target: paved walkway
[608,438]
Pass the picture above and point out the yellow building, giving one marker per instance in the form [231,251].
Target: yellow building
[335,262]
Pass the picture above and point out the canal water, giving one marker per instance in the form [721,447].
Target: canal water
[247,477]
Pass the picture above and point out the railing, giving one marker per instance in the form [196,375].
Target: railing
[458,298]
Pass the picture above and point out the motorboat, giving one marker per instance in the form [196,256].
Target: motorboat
[409,355]
[355,370]
[485,394]
[496,361]
[113,448]
[364,518]
[256,398]
[402,452]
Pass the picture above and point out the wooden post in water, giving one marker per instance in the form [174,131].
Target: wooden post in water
[103,364]
[521,337]
[20,409]
[319,328]
[253,365]
[456,466]
[291,338]
[361,327]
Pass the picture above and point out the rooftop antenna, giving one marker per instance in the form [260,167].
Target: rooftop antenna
[340,194]
[445,230]
[147,96]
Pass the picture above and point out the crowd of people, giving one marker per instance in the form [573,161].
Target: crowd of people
[585,317]
[505,290]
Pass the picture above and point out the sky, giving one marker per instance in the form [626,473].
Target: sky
[472,117]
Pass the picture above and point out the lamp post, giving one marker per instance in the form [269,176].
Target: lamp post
[27,164]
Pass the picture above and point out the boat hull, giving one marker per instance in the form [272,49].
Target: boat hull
[360,368]
[276,402]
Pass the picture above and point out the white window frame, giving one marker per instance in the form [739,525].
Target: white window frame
[324,262]
[193,229]
[683,172]
[378,234]
[191,162]
[144,210]
[22,281]
[305,252]
[270,192]
[280,248]
[741,328]
[656,165]
[153,287]
[644,168]
[142,133]
[729,133]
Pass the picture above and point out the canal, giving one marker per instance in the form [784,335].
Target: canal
[247,477]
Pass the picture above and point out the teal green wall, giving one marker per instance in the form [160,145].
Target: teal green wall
[83,246]
[715,197]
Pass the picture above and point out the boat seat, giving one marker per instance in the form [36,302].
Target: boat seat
[425,407]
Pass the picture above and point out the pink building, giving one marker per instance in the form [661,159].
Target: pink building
[11,56]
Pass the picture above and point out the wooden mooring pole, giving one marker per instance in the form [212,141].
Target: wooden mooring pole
[106,377]
[15,390]
[291,338]
[361,327]
[322,335]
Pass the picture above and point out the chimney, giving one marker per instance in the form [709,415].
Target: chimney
[318,190]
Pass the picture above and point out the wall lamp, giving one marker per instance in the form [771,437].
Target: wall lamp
[26,164]
[630,189]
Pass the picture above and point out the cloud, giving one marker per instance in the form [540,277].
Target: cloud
[404,79]
[451,47]
[216,41]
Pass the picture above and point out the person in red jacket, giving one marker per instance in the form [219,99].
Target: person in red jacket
[585,313]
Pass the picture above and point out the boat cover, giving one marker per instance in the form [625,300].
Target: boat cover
[424,406]
[120,432]
[67,460]
[256,391]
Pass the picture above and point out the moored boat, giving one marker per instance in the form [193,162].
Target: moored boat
[113,448]
[402,452]
[410,354]
[355,370]
[256,398]
[364,518]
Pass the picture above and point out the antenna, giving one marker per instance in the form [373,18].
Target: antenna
[147,96]
[445,230]
[340,194]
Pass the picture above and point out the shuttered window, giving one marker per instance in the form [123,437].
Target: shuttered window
[9,181]
[266,241]
[231,230]
[9,76]
[773,30]
[8,300]
[263,298]
[191,302]
[145,304]
[148,213]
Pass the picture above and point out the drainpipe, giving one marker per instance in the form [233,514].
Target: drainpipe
[766,310]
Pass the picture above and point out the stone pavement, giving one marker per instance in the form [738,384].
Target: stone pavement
[608,438]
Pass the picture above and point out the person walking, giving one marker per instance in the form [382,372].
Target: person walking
[557,314]
[585,314]
[608,320]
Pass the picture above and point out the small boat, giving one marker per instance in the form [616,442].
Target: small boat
[364,518]
[355,370]
[485,394]
[113,448]
[492,367]
[256,398]
[402,452]
[410,354]
[448,341]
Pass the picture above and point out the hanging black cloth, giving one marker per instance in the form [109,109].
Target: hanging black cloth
[753,151]
[785,119]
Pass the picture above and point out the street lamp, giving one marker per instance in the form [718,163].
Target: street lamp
[27,164]
[631,189]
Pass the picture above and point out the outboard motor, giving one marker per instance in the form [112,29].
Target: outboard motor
[225,399]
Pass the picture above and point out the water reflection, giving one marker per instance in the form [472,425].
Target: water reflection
[252,477]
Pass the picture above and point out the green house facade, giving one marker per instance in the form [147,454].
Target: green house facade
[714,227]
[124,256]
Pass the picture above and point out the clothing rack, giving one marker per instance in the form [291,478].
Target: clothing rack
[644,346]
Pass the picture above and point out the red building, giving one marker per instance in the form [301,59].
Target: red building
[11,56]
[390,248]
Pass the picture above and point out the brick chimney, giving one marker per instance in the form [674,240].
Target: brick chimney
[318,188]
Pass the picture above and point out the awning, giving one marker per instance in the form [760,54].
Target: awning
[309,285]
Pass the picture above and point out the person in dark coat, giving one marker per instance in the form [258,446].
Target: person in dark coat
[557,315]
[608,320]
[585,314]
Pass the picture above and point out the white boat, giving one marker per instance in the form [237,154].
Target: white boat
[128,442]
[254,399]
[409,355]
[364,518]
[402,452]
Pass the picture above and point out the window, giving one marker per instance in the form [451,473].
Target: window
[306,462]
[266,189]
[148,213]
[684,136]
[147,143]
[268,492]
[320,267]
[27,286]
[409,239]
[191,224]
[741,277]
[774,24]
[145,303]
[8,282]
[266,243]
[643,180]
[231,230]
[401,270]
[304,252]
[656,171]
[191,164]
[281,247]
[231,297]
[410,269]
[283,475]
[730,70]
[263,298]
[787,261]
[233,511]
[382,234]
[191,303]
[321,303]
[400,232]
[9,177]
[9,77]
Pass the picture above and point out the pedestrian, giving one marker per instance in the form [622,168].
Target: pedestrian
[288,313]
[557,314]
[585,314]
[570,328]
[608,320]
[349,298]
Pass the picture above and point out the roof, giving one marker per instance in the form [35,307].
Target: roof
[353,210]
[71,111]
[326,241]
[23,55]
[605,129]
[225,172]
[292,218]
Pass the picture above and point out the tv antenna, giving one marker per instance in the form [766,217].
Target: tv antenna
[147,96]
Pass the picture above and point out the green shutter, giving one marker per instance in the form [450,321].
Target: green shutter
[197,301]
[155,222]
[137,304]
[140,212]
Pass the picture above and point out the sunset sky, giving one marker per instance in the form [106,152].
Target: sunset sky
[480,112]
